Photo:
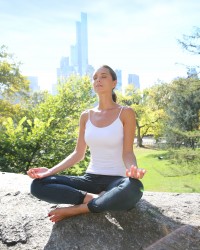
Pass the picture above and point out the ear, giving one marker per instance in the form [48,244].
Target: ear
[114,83]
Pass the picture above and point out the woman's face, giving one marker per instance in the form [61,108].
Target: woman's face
[102,81]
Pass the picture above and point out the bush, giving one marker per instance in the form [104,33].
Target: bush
[49,131]
[188,159]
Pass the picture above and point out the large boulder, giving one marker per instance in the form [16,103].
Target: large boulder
[159,221]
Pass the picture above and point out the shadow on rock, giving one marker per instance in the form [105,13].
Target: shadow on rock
[134,229]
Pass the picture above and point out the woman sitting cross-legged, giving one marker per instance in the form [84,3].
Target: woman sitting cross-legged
[111,181]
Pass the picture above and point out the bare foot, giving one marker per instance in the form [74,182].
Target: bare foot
[59,214]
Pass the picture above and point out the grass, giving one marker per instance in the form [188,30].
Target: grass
[158,177]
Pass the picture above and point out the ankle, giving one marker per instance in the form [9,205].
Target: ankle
[89,197]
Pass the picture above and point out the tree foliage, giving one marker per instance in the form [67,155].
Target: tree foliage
[184,112]
[49,132]
[14,87]
[148,115]
[12,82]
[191,43]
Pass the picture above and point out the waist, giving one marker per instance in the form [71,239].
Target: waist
[102,169]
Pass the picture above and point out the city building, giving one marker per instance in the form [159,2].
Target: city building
[34,86]
[119,79]
[78,61]
[134,79]
[90,71]
[65,69]
[82,41]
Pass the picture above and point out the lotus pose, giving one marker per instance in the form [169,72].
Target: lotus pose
[111,181]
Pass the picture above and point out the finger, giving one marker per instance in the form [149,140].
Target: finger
[31,176]
[142,173]
[134,173]
[127,173]
[36,170]
[34,174]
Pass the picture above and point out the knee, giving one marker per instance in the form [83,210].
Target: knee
[35,187]
[134,190]
[136,186]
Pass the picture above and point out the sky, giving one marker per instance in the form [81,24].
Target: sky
[136,36]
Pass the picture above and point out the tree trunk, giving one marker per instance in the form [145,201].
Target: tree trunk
[139,138]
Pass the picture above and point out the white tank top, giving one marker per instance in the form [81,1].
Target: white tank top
[106,146]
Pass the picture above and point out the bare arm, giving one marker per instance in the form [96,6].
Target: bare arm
[129,123]
[76,156]
[79,152]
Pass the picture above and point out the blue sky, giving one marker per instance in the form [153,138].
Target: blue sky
[137,36]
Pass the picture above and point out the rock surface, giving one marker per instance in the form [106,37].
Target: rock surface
[160,221]
[185,237]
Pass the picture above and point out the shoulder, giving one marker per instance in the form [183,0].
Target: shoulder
[128,114]
[126,111]
[84,116]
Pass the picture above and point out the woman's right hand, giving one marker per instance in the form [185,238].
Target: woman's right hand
[36,173]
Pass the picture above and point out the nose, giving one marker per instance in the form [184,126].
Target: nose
[97,80]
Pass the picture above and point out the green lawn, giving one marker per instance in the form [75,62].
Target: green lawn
[158,173]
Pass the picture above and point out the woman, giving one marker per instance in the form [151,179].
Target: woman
[111,181]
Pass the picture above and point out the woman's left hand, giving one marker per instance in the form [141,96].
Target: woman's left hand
[135,172]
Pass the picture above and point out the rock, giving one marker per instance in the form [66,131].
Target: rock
[185,237]
[160,220]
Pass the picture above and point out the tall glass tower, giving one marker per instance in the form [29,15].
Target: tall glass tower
[84,42]
[78,63]
[82,45]
[119,79]
[134,79]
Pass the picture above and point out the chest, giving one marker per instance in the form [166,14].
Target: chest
[103,119]
[107,137]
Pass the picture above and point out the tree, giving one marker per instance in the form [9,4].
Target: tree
[183,112]
[184,108]
[49,133]
[191,43]
[180,103]
[156,98]
[12,82]
[147,114]
[14,87]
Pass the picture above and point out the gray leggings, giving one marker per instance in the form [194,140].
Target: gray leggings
[121,193]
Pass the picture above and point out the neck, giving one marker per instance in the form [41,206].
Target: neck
[106,105]
[106,102]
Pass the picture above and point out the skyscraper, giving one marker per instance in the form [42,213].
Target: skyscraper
[78,61]
[62,72]
[134,79]
[119,79]
[82,45]
[34,86]
[73,56]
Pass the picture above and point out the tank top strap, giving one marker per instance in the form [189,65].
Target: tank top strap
[88,114]
[120,111]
